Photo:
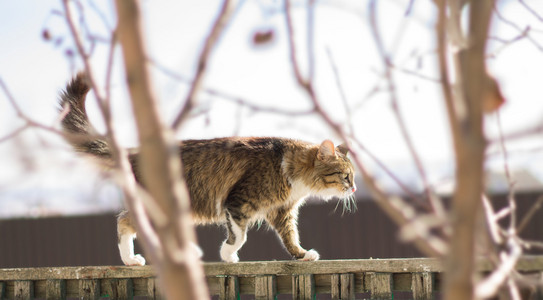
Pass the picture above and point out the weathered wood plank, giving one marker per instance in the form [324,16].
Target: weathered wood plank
[380,285]
[2,290]
[93,272]
[324,267]
[229,288]
[118,288]
[422,285]
[24,290]
[265,287]
[72,288]
[347,286]
[89,289]
[55,289]
[335,287]
[303,286]
[525,264]
[342,286]
[144,287]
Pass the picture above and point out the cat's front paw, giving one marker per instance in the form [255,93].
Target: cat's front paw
[232,258]
[310,255]
[136,260]
[228,254]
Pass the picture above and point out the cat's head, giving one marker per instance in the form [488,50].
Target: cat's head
[333,172]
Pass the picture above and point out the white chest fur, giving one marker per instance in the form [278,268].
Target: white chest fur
[298,190]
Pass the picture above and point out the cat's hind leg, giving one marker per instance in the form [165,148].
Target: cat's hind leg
[237,235]
[126,234]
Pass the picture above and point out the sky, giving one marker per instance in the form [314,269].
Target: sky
[40,175]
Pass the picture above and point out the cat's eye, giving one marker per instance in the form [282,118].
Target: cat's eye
[347,178]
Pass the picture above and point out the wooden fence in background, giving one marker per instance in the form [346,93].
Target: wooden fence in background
[340,279]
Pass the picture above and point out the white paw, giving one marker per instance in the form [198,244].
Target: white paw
[136,260]
[228,254]
[311,255]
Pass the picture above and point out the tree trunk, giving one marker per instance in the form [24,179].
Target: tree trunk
[179,269]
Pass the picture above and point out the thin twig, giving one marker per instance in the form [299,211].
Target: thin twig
[511,196]
[81,50]
[395,207]
[311,40]
[250,104]
[531,10]
[341,90]
[517,27]
[217,30]
[292,47]
[529,215]
[436,205]
[507,43]
[14,133]
[27,119]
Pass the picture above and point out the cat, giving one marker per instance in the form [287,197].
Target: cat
[232,181]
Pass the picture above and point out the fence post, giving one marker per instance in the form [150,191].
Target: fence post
[422,285]
[380,285]
[55,289]
[229,287]
[342,286]
[89,289]
[265,287]
[303,287]
[119,288]
[24,289]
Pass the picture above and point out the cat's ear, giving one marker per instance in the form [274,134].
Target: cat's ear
[326,149]
[343,148]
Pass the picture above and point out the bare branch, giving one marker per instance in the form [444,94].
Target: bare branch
[14,133]
[292,46]
[467,132]
[437,206]
[218,28]
[395,207]
[488,287]
[529,215]
[531,10]
[518,28]
[250,104]
[343,97]
[160,167]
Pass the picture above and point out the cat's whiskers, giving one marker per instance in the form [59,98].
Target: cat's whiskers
[349,204]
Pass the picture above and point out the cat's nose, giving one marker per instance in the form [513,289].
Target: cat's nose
[353,189]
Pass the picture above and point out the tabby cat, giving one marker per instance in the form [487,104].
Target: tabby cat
[232,181]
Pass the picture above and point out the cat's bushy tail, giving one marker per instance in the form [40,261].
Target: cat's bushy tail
[81,134]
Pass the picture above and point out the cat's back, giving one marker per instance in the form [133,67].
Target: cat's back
[235,149]
[212,167]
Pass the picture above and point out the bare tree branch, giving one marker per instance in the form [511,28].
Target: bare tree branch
[182,275]
[435,203]
[531,10]
[218,28]
[467,129]
[518,28]
[530,214]
[250,104]
[395,207]
[14,133]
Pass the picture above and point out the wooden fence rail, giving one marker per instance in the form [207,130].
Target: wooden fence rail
[341,279]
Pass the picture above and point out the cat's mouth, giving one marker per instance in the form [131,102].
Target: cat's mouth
[350,190]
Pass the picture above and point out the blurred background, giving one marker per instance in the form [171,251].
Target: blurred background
[56,209]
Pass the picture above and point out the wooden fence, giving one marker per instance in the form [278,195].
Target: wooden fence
[341,279]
